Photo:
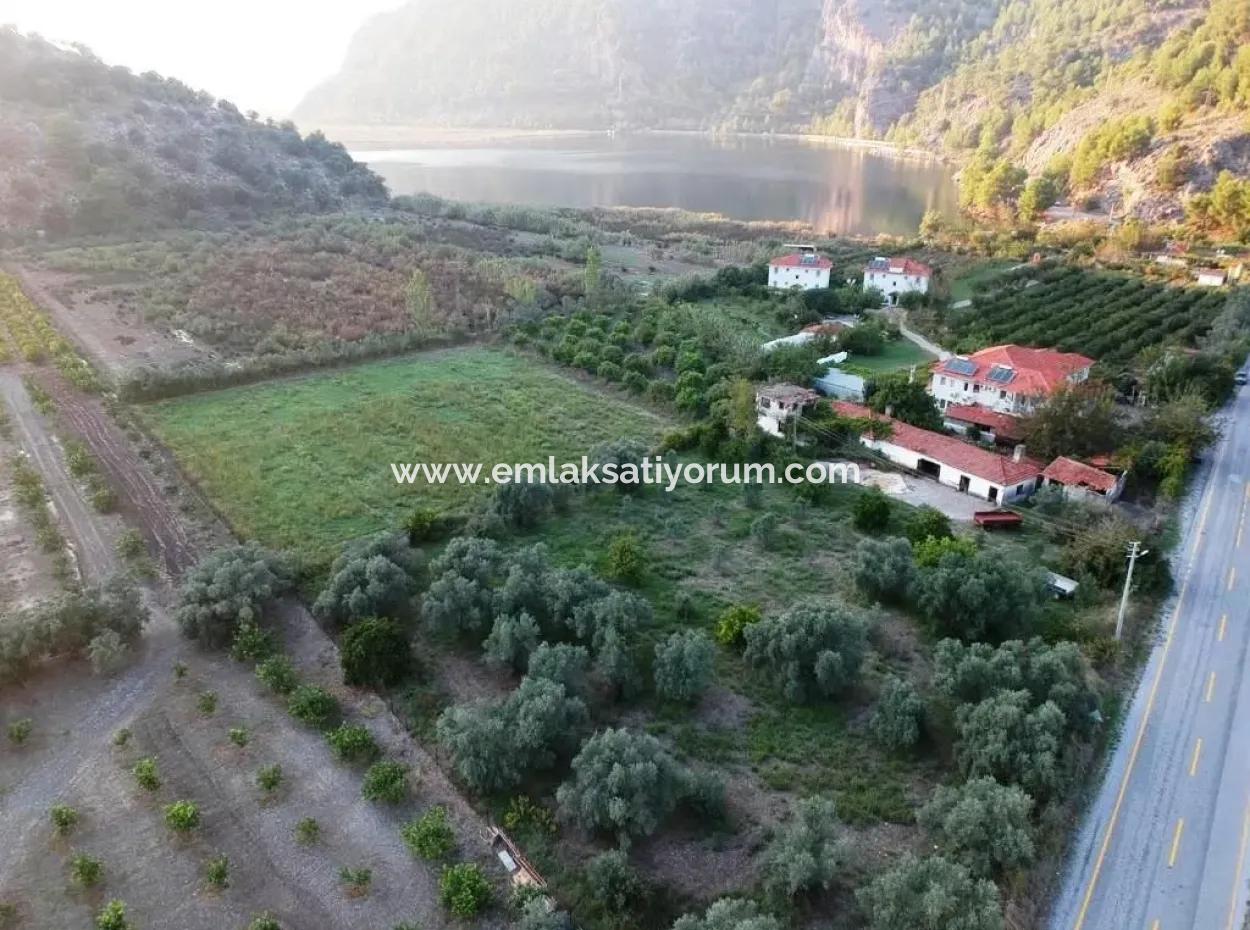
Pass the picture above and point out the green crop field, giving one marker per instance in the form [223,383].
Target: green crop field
[304,464]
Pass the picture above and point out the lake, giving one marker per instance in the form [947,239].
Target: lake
[837,188]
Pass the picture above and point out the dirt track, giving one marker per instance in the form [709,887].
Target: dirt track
[71,758]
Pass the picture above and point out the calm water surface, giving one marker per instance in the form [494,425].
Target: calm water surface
[838,189]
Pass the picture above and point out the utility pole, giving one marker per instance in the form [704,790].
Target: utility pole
[1135,552]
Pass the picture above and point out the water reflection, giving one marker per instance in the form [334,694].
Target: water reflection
[835,188]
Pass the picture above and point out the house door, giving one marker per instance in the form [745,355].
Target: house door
[993,495]
[964,482]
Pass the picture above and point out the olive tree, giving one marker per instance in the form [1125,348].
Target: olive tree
[807,852]
[980,597]
[982,824]
[729,914]
[898,715]
[227,588]
[930,894]
[373,578]
[1008,738]
[563,663]
[885,569]
[622,782]
[813,650]
[512,640]
[684,665]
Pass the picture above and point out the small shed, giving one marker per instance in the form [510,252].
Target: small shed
[520,871]
[841,385]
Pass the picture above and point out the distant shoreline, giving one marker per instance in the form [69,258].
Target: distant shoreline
[362,138]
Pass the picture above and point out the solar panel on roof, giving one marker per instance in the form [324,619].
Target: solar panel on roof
[1001,374]
[961,366]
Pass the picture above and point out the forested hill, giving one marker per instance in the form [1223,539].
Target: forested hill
[1028,82]
[89,148]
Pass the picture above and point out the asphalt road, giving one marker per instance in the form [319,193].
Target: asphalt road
[1164,843]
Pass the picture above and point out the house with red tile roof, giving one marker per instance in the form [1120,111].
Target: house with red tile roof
[1008,379]
[895,277]
[999,479]
[1084,482]
[804,270]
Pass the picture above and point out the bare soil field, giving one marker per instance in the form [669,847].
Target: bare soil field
[71,758]
[25,572]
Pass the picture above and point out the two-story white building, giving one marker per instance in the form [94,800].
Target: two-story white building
[777,404]
[804,270]
[895,277]
[1008,379]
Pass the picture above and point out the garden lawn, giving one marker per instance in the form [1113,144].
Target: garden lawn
[899,355]
[305,464]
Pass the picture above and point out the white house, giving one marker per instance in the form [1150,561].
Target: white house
[999,479]
[804,270]
[895,277]
[775,404]
[1211,277]
[1008,379]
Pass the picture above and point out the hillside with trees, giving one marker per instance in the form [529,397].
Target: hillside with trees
[1136,105]
[88,148]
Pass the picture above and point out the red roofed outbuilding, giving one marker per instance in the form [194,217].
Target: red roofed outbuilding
[1084,481]
[969,468]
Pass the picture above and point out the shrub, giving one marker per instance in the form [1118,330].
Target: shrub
[251,643]
[207,703]
[85,871]
[897,717]
[353,743]
[182,816]
[20,731]
[385,781]
[356,881]
[626,559]
[430,836]
[871,512]
[278,674]
[307,831]
[239,736]
[64,818]
[107,652]
[112,917]
[264,922]
[122,737]
[684,665]
[375,652]
[929,552]
[217,872]
[615,886]
[524,814]
[885,570]
[813,650]
[729,914]
[464,890]
[146,774]
[269,778]
[732,624]
[928,523]
[314,706]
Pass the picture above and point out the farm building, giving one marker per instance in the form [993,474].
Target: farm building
[804,270]
[1007,379]
[776,404]
[895,277]
[1211,277]
[971,469]
[1084,482]
[992,427]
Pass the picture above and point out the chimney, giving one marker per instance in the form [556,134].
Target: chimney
[1017,454]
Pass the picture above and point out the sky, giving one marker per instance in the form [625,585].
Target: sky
[261,54]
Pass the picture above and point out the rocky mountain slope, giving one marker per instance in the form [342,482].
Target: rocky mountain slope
[89,148]
[1026,81]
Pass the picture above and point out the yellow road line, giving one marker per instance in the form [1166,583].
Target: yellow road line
[1210,688]
[1155,925]
[1223,626]
[1193,766]
[1150,701]
[1241,860]
[1232,577]
[1176,842]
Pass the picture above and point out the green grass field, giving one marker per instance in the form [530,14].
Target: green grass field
[965,284]
[304,464]
[899,355]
